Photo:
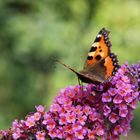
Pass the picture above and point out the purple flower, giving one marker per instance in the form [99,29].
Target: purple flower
[76,126]
[55,108]
[70,117]
[106,97]
[30,121]
[123,112]
[79,134]
[122,105]
[63,119]
[106,110]
[122,92]
[16,134]
[37,116]
[99,131]
[128,98]
[40,135]
[102,111]
[112,91]
[113,117]
[117,130]
[40,108]
[52,133]
[117,99]
[91,134]
[51,125]
[82,119]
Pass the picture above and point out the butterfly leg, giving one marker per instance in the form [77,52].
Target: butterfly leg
[81,84]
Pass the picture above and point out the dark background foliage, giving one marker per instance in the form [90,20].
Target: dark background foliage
[33,33]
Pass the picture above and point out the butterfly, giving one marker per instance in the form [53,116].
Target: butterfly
[101,63]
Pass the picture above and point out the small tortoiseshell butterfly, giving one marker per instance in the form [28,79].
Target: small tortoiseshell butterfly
[100,64]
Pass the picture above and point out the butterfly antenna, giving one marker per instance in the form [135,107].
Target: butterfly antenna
[65,66]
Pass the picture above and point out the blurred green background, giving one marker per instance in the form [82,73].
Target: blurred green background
[32,33]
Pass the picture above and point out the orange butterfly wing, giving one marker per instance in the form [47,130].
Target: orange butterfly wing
[111,65]
[99,50]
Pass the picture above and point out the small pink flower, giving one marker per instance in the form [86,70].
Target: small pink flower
[70,93]
[117,99]
[80,134]
[128,98]
[15,124]
[68,129]
[119,84]
[47,117]
[59,133]
[106,110]
[125,79]
[40,135]
[44,122]
[135,94]
[16,134]
[122,105]
[62,120]
[87,110]
[127,88]
[117,130]
[52,133]
[60,100]
[30,121]
[51,125]
[55,108]
[67,101]
[94,116]
[106,97]
[69,136]
[68,108]
[37,116]
[123,112]
[91,135]
[70,117]
[82,119]
[134,104]
[76,126]
[112,91]
[122,92]
[40,108]
[113,117]
[78,110]
[99,131]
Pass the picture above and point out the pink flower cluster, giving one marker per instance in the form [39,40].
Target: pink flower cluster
[87,112]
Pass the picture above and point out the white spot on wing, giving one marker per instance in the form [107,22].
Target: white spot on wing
[99,35]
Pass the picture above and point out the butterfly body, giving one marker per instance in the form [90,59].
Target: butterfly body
[100,64]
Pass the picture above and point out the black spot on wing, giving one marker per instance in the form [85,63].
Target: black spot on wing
[93,49]
[97,39]
[90,57]
[98,57]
